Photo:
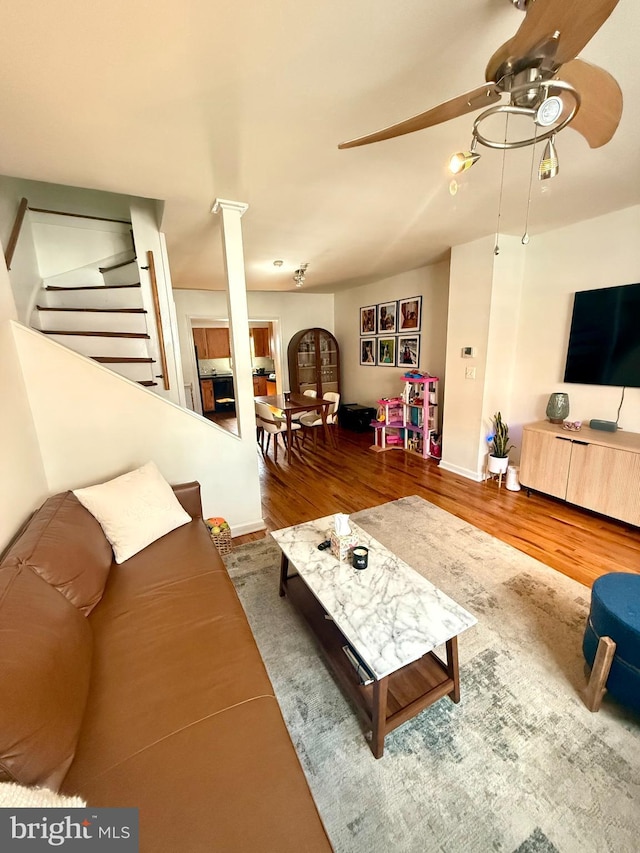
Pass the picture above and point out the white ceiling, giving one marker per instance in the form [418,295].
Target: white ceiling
[189,100]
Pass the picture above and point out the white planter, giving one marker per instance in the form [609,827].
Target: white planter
[498,464]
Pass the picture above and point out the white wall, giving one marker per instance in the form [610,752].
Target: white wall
[516,310]
[23,479]
[365,384]
[601,252]
[92,424]
[470,288]
[60,248]
[289,312]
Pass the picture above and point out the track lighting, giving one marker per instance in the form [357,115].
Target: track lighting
[299,275]
[549,166]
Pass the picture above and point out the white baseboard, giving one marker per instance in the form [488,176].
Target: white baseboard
[463,472]
[247,527]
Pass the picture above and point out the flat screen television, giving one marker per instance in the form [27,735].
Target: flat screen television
[604,343]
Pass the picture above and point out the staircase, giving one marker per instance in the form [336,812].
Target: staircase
[97,311]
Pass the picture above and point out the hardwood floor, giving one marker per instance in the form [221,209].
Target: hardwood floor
[580,544]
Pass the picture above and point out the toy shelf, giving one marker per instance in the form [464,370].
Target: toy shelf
[408,422]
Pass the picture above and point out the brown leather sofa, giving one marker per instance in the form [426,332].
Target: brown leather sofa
[140,684]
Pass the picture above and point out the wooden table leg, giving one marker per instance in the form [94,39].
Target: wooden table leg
[328,436]
[289,435]
[379,716]
[284,569]
[453,668]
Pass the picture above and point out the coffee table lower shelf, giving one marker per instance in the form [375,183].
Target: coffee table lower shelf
[390,701]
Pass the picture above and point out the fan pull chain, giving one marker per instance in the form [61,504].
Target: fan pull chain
[525,236]
[496,248]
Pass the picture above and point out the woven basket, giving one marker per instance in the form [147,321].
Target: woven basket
[221,540]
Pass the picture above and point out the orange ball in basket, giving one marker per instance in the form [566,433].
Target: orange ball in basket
[216,525]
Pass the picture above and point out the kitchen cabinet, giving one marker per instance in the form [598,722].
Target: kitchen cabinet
[212,343]
[314,362]
[218,343]
[597,470]
[259,386]
[272,388]
[200,341]
[261,342]
[208,397]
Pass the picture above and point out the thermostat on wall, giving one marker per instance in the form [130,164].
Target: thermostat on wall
[468,352]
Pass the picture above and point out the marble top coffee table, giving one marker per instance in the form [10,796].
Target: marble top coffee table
[388,616]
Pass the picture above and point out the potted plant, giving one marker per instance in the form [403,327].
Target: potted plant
[499,446]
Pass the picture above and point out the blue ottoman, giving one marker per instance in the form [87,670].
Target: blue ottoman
[615,613]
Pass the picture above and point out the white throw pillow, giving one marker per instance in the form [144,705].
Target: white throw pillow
[134,510]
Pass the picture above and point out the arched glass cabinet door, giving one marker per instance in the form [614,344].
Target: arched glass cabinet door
[314,362]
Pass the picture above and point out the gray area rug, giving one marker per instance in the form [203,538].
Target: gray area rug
[518,765]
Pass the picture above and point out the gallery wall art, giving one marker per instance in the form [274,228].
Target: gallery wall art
[390,333]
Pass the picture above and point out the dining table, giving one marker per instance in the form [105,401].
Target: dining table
[291,404]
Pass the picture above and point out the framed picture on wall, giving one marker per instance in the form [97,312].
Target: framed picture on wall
[409,351]
[368,320]
[386,352]
[368,351]
[387,315]
[409,311]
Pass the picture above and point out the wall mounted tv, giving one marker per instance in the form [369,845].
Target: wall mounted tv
[604,343]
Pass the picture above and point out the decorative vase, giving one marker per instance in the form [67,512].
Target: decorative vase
[498,464]
[558,407]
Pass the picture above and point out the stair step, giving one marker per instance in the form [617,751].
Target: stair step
[93,287]
[95,334]
[117,266]
[95,310]
[147,383]
[113,359]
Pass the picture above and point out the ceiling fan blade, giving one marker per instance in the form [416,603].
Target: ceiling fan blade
[477,99]
[601,107]
[576,21]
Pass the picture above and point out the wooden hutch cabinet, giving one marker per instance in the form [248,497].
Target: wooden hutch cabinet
[314,362]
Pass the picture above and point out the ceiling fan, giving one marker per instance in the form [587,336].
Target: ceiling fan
[527,69]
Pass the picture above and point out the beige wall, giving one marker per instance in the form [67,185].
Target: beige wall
[92,424]
[516,310]
[363,384]
[601,252]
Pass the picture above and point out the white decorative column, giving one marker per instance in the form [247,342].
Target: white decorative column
[232,212]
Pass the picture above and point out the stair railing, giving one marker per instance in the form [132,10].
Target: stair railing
[151,266]
[15,232]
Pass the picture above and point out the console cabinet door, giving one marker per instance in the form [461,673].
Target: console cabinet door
[605,480]
[544,463]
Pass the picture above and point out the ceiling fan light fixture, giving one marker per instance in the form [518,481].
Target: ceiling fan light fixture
[463,160]
[549,111]
[549,166]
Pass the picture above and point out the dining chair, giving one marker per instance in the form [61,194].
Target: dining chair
[272,425]
[312,420]
[310,392]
